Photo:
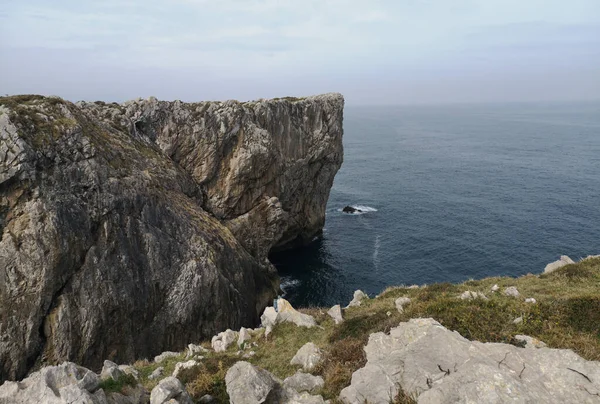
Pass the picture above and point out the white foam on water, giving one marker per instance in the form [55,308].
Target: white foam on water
[287,283]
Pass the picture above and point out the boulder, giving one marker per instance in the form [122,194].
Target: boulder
[511,291]
[170,390]
[111,370]
[130,370]
[308,356]
[437,365]
[358,297]
[470,295]
[63,384]
[244,336]
[249,384]
[553,266]
[223,340]
[301,382]
[181,366]
[165,355]
[336,314]
[158,372]
[287,314]
[401,302]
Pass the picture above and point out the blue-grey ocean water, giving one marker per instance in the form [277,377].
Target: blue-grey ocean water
[453,193]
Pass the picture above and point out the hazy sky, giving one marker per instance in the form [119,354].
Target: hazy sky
[372,51]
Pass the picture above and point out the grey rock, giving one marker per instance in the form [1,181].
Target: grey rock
[207,399]
[223,340]
[436,365]
[110,370]
[248,355]
[195,350]
[495,288]
[181,366]
[358,297]
[531,300]
[139,214]
[518,320]
[470,295]
[248,384]
[170,390]
[301,382]
[269,317]
[165,355]
[308,356]
[530,342]
[511,291]
[553,266]
[130,370]
[336,314]
[63,384]
[158,372]
[401,302]
[287,314]
[244,336]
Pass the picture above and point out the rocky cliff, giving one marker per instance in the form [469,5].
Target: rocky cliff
[129,229]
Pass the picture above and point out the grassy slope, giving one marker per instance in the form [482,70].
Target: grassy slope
[566,315]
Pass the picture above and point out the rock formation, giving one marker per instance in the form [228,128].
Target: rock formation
[129,229]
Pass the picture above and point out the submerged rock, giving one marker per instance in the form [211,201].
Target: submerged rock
[351,209]
[436,365]
[154,215]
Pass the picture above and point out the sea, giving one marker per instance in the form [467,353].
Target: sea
[451,193]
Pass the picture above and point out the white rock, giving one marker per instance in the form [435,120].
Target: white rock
[518,320]
[207,399]
[358,297]
[194,350]
[181,366]
[401,302]
[388,313]
[470,295]
[308,357]
[165,355]
[413,287]
[158,372]
[63,384]
[130,370]
[249,355]
[170,390]
[553,266]
[530,342]
[223,340]
[111,370]
[269,317]
[495,288]
[301,382]
[248,384]
[437,365]
[287,314]
[511,291]
[530,300]
[244,336]
[336,314]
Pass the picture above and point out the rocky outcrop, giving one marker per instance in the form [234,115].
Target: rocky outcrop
[553,266]
[436,365]
[130,229]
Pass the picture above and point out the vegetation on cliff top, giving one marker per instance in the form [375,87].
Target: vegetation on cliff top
[566,315]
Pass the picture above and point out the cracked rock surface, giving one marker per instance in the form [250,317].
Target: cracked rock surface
[125,228]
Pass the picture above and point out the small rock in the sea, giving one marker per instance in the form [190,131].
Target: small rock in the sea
[158,372]
[495,288]
[518,320]
[401,302]
[530,300]
[336,314]
[351,209]
[357,299]
[511,291]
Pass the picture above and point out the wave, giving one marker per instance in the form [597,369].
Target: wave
[363,209]
[287,283]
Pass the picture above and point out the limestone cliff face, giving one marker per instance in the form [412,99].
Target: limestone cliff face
[130,229]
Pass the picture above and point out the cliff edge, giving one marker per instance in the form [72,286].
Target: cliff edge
[129,229]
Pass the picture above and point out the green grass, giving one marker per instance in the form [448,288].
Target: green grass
[116,386]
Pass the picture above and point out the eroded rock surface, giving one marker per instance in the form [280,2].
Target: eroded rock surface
[440,366]
[124,228]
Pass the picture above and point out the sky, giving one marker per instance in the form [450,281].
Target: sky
[372,51]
